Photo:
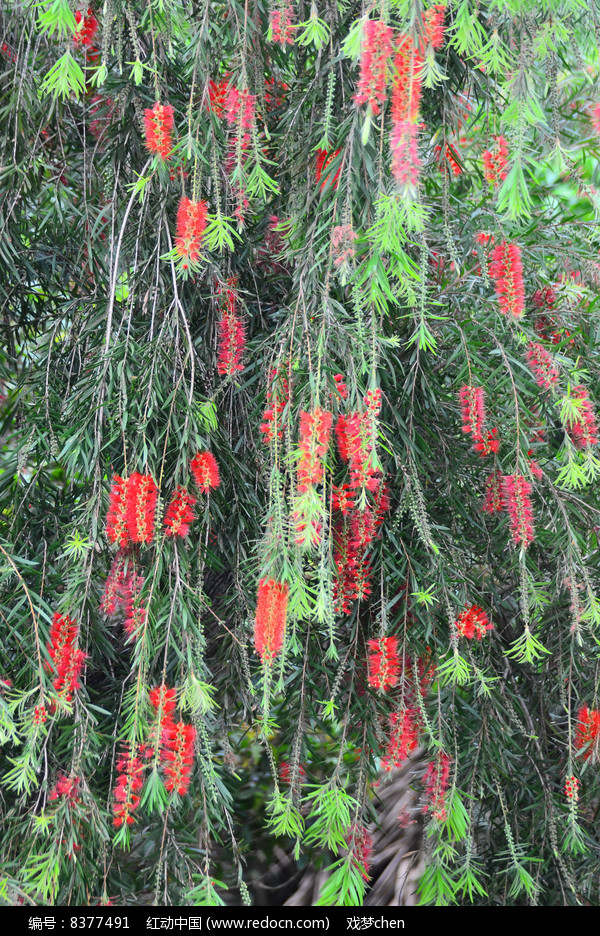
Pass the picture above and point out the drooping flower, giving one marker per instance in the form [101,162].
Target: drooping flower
[116,518]
[541,364]
[506,270]
[384,666]
[87,27]
[340,386]
[323,160]
[315,428]
[473,622]
[493,501]
[271,612]
[376,52]
[487,444]
[583,432]
[517,497]
[278,396]
[205,471]
[177,754]
[232,332]
[360,843]
[572,788]
[436,780]
[281,23]
[163,699]
[141,501]
[587,735]
[433,25]
[191,224]
[66,788]
[343,239]
[158,125]
[406,163]
[472,408]
[129,783]
[67,660]
[135,609]
[403,738]
[179,513]
[406,86]
[495,161]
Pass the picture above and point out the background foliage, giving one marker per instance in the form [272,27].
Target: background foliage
[338,266]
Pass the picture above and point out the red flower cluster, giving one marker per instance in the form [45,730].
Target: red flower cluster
[191,224]
[163,699]
[355,444]
[232,332]
[433,25]
[129,783]
[360,842]
[131,509]
[436,780]
[40,715]
[384,666]
[450,155]
[342,244]
[158,124]
[506,270]
[67,660]
[323,160]
[179,513]
[495,161]
[473,418]
[281,24]
[315,429]
[240,110]
[406,87]
[217,93]
[403,738]
[493,501]
[278,398]
[584,431]
[135,609]
[517,493]
[271,612]
[205,471]
[587,735]
[572,788]
[351,555]
[118,584]
[542,366]
[406,163]
[340,386]
[68,787]
[342,498]
[473,622]
[377,50]
[177,754]
[84,35]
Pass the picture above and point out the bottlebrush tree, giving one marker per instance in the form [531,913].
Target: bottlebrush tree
[299,381]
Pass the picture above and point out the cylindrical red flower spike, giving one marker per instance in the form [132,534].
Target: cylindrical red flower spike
[473,622]
[142,497]
[205,471]
[384,666]
[436,780]
[315,428]
[506,270]
[493,501]
[116,518]
[162,696]
[376,52]
[517,497]
[177,754]
[584,431]
[403,738]
[127,788]
[269,625]
[542,366]
[495,161]
[158,124]
[587,735]
[191,224]
[281,23]
[85,32]
[360,841]
[472,408]
[179,513]
[68,661]
[232,336]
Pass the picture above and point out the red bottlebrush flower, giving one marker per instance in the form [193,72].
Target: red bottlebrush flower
[506,270]
[449,155]
[217,93]
[472,407]
[285,772]
[584,431]
[232,342]
[534,468]
[163,699]
[271,611]
[541,364]
[403,738]
[127,788]
[315,429]
[142,497]
[179,513]
[67,787]
[342,498]
[406,86]
[493,501]
[376,52]
[343,239]
[436,780]
[281,24]
[323,160]
[587,735]
[158,124]
[433,25]
[278,398]
[354,435]
[518,504]
[40,715]
[177,755]
[473,622]
[360,844]
[340,386]
[205,471]
[191,224]
[384,666]
[372,401]
[67,661]
[487,444]
[406,164]
[116,518]
[87,28]
[572,788]
[544,298]
[116,587]
[135,609]
[495,161]
[240,107]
